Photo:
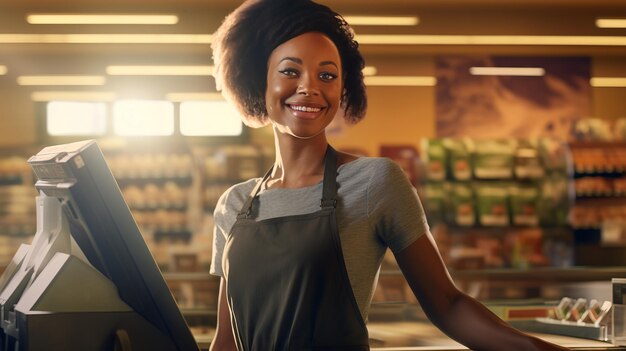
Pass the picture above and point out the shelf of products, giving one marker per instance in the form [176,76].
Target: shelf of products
[499,203]
[17,205]
[598,216]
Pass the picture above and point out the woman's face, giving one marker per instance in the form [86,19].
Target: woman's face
[304,85]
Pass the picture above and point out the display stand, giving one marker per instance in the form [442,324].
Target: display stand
[50,295]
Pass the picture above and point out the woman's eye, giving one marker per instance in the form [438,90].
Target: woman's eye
[290,72]
[328,76]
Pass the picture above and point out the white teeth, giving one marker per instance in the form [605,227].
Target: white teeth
[305,108]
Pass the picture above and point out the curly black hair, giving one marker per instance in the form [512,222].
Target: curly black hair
[244,41]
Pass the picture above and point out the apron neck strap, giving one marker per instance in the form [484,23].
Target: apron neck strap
[329,193]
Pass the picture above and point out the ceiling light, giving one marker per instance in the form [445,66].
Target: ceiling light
[66,18]
[105,38]
[608,82]
[369,71]
[61,80]
[178,97]
[508,71]
[382,20]
[3,70]
[159,70]
[611,23]
[72,96]
[417,81]
[557,40]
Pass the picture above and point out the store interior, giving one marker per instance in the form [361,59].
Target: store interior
[522,175]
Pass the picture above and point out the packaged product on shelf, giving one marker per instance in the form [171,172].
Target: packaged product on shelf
[527,162]
[592,129]
[493,159]
[460,160]
[556,199]
[14,170]
[492,204]
[524,201]
[462,203]
[619,129]
[524,248]
[436,158]
[435,204]
[555,156]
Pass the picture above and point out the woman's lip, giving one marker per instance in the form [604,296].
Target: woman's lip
[305,114]
[306,107]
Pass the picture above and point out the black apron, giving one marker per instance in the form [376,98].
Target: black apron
[287,284]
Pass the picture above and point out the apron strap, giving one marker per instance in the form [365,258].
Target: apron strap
[246,209]
[329,193]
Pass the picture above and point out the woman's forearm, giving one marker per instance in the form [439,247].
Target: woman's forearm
[472,324]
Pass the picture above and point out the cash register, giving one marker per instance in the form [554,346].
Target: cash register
[87,281]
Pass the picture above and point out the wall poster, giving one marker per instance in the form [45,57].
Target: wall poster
[511,106]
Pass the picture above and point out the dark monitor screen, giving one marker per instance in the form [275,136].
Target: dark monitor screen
[103,226]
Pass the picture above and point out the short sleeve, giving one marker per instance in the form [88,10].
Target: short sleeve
[224,217]
[220,232]
[393,206]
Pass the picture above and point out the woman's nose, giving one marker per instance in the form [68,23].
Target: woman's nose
[308,87]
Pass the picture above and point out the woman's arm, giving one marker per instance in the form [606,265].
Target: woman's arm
[224,339]
[458,315]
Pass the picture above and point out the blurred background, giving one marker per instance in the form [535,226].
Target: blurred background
[508,116]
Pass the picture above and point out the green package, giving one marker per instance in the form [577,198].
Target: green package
[493,209]
[462,204]
[435,202]
[435,156]
[524,205]
[493,159]
[459,158]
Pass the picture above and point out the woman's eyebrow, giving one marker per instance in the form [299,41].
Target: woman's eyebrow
[324,63]
[293,59]
[299,61]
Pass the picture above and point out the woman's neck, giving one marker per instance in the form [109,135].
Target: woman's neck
[298,162]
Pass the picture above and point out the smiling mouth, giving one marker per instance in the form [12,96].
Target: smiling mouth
[301,108]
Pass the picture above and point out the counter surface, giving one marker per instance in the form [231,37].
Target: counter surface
[423,336]
[417,335]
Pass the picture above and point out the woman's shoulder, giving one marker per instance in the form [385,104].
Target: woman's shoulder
[234,197]
[372,164]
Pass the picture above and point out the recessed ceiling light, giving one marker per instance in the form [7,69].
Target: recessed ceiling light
[417,81]
[78,18]
[508,71]
[61,80]
[382,20]
[159,70]
[611,22]
[16,38]
[608,82]
[369,71]
[3,70]
[515,40]
[42,96]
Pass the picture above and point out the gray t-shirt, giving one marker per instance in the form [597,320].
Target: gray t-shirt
[377,208]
